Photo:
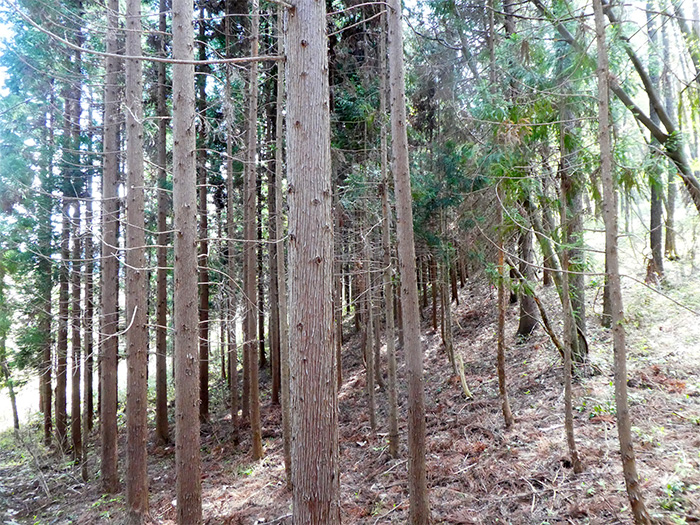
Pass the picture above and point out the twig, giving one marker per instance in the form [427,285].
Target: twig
[277,520]
[389,511]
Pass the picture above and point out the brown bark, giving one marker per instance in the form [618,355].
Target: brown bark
[313,381]
[88,322]
[501,345]
[250,245]
[62,339]
[528,308]
[203,259]
[668,90]
[76,335]
[641,516]
[136,278]
[281,269]
[187,453]
[110,263]
[418,489]
[656,269]
[162,430]
[231,231]
[387,274]
[369,335]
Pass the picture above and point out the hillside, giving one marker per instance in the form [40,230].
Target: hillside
[478,473]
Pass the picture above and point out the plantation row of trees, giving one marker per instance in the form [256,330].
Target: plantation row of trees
[219,186]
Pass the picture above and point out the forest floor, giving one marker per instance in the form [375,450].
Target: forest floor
[478,472]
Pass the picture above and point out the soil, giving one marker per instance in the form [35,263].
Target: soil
[479,473]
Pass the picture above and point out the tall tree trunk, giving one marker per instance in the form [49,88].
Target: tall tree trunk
[76,332]
[88,323]
[656,269]
[571,346]
[629,468]
[62,339]
[572,227]
[77,187]
[136,278]
[109,289]
[250,243]
[259,271]
[231,233]
[203,259]
[45,317]
[418,486]
[501,348]
[313,381]
[672,189]
[281,269]
[369,333]
[274,245]
[162,431]
[387,274]
[187,453]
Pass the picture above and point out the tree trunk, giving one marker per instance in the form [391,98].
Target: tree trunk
[387,274]
[8,382]
[203,259]
[76,329]
[88,323]
[669,90]
[281,269]
[417,482]
[136,278]
[109,289]
[641,516]
[162,431]
[656,268]
[230,244]
[313,381]
[501,345]
[187,453]
[274,245]
[250,245]
[369,333]
[572,229]
[45,279]
[62,339]
[260,276]
[528,308]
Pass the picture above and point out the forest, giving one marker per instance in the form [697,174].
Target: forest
[305,262]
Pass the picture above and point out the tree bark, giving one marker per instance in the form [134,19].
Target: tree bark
[136,278]
[656,272]
[419,510]
[187,453]
[62,339]
[280,254]
[250,244]
[669,90]
[230,245]
[88,322]
[528,308]
[641,516]
[369,333]
[76,427]
[203,259]
[387,274]
[501,344]
[162,430]
[109,289]
[313,381]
